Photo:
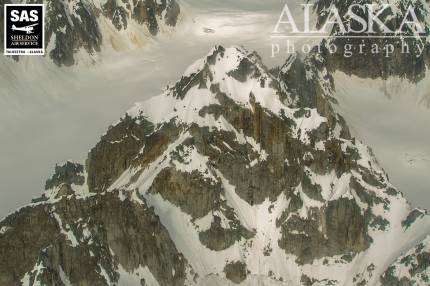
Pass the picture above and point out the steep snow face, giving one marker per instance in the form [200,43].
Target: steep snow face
[373,90]
[284,232]
[234,174]
[233,72]
[372,108]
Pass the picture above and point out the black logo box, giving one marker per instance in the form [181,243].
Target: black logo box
[38,30]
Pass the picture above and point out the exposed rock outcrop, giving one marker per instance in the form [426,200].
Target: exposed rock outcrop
[88,241]
[369,50]
[234,175]
[70,173]
[77,27]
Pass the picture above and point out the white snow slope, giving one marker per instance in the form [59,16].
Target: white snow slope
[277,268]
[50,114]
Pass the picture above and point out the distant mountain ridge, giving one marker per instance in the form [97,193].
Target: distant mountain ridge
[81,28]
[412,65]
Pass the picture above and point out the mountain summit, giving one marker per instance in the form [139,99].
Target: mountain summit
[234,175]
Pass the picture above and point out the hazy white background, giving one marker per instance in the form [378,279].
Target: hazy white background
[50,114]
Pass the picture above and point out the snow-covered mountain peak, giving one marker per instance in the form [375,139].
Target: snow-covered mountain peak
[234,76]
[233,175]
[233,72]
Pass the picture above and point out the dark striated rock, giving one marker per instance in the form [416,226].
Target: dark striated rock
[71,30]
[116,150]
[343,231]
[218,238]
[236,272]
[78,237]
[117,13]
[412,217]
[365,63]
[178,188]
[68,173]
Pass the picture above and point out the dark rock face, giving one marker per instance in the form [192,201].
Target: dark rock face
[13,270]
[115,152]
[173,11]
[412,217]
[143,12]
[303,92]
[344,232]
[71,30]
[243,175]
[76,25]
[117,13]
[110,231]
[218,238]
[369,59]
[236,272]
[178,188]
[69,173]
[368,65]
